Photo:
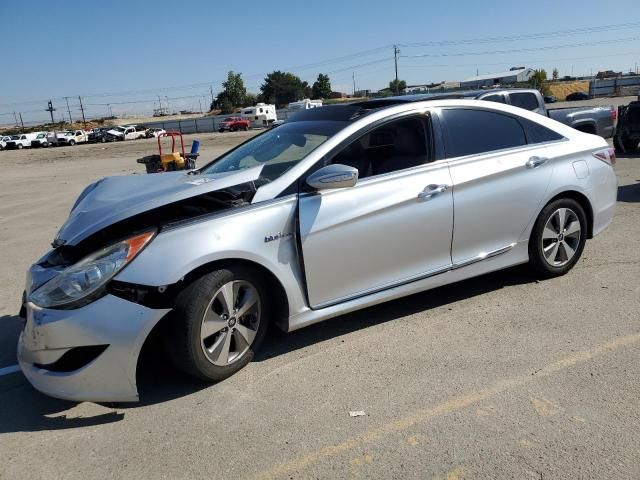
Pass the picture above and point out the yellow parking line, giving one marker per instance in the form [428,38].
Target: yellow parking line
[451,405]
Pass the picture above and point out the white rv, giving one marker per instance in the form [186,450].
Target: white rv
[262,115]
[305,104]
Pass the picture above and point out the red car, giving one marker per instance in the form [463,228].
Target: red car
[234,124]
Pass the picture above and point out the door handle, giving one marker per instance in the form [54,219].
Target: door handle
[535,162]
[431,190]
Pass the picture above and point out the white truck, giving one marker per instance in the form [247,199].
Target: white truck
[127,132]
[42,139]
[71,137]
[262,115]
[305,104]
[20,141]
[3,141]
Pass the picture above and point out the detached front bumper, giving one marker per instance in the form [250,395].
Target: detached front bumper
[87,354]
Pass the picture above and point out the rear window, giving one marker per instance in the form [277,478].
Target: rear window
[525,100]
[470,132]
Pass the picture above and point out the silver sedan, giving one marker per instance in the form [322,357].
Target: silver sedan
[340,208]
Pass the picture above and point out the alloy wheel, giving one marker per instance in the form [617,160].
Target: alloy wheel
[561,237]
[230,322]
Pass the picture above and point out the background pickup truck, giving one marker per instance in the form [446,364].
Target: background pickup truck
[595,120]
[71,137]
[19,141]
[127,132]
[234,123]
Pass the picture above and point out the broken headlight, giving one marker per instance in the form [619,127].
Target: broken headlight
[78,283]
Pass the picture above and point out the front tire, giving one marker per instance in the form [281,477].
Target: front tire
[558,238]
[218,323]
[20,147]
[72,143]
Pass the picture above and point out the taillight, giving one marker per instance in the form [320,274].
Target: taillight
[614,114]
[607,155]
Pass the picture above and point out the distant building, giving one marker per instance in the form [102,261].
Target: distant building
[338,95]
[362,93]
[500,78]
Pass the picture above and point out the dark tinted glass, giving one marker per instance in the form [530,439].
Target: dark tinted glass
[536,133]
[477,131]
[391,147]
[494,98]
[528,101]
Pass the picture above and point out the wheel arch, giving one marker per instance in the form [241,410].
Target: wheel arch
[586,127]
[584,202]
[280,298]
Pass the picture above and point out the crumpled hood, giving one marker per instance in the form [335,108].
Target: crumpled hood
[113,199]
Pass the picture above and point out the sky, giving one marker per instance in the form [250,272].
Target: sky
[121,55]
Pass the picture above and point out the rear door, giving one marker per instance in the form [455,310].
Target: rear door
[498,180]
[384,231]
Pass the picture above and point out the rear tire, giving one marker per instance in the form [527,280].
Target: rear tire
[72,143]
[558,238]
[20,146]
[218,323]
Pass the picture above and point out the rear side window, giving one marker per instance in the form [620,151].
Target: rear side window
[477,131]
[525,100]
[536,133]
[494,98]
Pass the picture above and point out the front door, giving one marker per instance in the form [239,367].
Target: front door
[386,230]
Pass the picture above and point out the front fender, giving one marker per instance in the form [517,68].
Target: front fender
[263,234]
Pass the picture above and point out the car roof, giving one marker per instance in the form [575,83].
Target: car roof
[351,111]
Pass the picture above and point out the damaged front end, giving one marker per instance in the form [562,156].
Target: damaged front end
[84,330]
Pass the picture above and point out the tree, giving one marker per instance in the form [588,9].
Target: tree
[555,74]
[538,80]
[233,90]
[226,106]
[397,86]
[321,87]
[282,88]
[249,100]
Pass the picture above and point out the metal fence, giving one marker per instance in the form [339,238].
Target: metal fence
[615,86]
[201,124]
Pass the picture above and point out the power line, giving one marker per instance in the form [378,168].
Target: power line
[520,50]
[607,55]
[525,36]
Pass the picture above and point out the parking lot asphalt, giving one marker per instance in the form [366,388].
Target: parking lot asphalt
[501,376]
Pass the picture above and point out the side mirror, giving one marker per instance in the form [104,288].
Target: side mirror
[333,176]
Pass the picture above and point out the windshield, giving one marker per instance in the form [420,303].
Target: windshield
[277,150]
[15,137]
[119,129]
[41,135]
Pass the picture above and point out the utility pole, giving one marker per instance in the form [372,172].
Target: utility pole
[211,92]
[396,51]
[68,109]
[84,120]
[167,99]
[200,103]
[50,109]
[159,105]
[21,122]
[15,118]
[354,83]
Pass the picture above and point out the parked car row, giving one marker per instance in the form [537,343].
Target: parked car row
[74,137]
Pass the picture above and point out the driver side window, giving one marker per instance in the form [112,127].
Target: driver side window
[394,146]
